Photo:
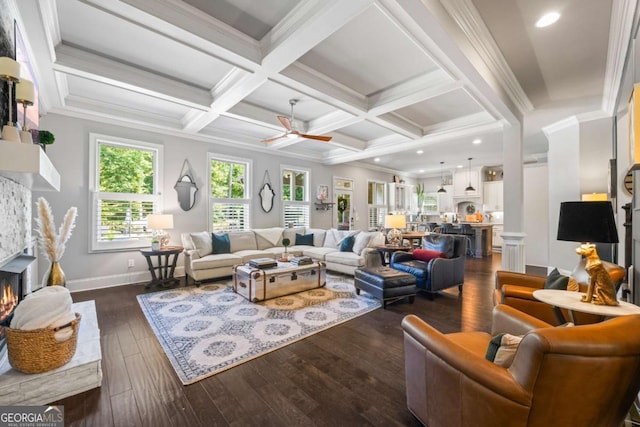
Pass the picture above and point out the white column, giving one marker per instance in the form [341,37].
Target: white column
[513,250]
[564,185]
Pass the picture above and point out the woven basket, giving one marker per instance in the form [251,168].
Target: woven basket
[36,351]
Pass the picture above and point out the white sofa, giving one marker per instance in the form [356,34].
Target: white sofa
[201,263]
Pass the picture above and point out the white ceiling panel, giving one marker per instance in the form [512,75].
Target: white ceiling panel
[118,97]
[253,18]
[369,54]
[366,131]
[240,128]
[448,106]
[92,29]
[270,96]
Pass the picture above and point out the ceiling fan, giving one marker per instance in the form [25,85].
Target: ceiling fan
[291,132]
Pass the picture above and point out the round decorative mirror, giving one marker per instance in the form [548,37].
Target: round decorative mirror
[628,182]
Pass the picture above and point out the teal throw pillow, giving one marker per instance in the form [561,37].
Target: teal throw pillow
[304,239]
[221,244]
[347,244]
[555,280]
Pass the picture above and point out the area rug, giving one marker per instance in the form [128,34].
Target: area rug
[209,329]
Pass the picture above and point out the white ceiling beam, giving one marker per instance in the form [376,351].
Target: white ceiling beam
[332,121]
[78,62]
[471,120]
[397,124]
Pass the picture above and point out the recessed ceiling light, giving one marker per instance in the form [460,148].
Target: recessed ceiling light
[547,19]
[420,151]
[421,170]
[459,166]
[377,159]
[477,141]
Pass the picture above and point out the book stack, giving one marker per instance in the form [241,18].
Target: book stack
[301,260]
[263,263]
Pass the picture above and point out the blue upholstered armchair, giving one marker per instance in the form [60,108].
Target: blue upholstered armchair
[440,265]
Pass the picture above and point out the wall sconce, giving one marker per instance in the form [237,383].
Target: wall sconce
[25,95]
[10,72]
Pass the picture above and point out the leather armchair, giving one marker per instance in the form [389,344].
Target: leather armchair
[516,290]
[438,273]
[580,376]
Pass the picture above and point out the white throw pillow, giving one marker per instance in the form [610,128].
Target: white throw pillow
[362,241]
[202,242]
[502,349]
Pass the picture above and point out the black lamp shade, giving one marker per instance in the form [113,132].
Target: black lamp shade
[591,222]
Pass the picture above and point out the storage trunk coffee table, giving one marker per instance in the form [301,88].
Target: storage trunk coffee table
[258,285]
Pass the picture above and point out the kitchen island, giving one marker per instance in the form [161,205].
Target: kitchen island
[480,235]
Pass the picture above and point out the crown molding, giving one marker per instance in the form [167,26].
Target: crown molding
[468,18]
[624,18]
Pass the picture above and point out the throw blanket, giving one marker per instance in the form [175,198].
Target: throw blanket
[48,307]
[272,235]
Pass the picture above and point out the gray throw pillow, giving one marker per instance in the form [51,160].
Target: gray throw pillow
[555,280]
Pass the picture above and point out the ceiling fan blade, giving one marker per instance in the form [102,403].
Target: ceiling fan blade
[274,138]
[285,122]
[318,137]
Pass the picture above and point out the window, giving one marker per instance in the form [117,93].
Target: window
[229,193]
[295,197]
[124,183]
[376,198]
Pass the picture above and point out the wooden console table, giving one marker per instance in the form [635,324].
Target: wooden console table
[166,267]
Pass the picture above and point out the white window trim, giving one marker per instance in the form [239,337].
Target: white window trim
[374,205]
[247,200]
[306,202]
[94,176]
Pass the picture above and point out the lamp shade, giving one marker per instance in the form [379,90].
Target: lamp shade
[9,69]
[160,221]
[584,222]
[24,92]
[395,221]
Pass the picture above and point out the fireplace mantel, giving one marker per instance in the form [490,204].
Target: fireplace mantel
[28,165]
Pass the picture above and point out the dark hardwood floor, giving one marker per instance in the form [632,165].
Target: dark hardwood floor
[351,374]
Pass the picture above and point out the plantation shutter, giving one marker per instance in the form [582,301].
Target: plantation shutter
[122,217]
[230,216]
[296,215]
[376,217]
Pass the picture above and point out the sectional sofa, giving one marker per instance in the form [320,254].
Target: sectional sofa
[209,257]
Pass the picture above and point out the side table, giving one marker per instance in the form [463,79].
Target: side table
[571,301]
[389,249]
[166,266]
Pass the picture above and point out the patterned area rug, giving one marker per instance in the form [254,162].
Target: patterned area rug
[209,329]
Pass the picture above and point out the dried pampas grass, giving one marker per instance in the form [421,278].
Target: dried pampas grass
[51,243]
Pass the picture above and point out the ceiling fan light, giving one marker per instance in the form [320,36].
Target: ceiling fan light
[292,136]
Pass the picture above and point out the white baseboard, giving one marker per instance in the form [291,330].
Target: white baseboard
[91,283]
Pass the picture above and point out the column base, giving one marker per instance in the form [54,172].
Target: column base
[513,251]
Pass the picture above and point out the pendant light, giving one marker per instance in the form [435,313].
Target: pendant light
[441,189]
[470,188]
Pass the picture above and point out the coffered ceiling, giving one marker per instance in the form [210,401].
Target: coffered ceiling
[384,78]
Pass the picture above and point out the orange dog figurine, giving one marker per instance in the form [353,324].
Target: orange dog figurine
[601,290]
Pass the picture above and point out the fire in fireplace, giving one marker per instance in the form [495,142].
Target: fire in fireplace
[12,281]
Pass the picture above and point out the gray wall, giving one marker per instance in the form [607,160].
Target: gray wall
[70,155]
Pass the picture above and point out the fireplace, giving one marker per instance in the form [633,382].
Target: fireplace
[12,290]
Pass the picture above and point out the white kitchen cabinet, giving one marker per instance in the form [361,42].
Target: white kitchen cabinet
[462,179]
[497,237]
[493,196]
[402,198]
[445,200]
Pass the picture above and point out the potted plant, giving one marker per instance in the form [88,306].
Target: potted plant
[155,244]
[45,138]
[285,242]
[420,194]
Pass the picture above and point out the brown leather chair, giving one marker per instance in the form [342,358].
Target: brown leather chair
[585,375]
[516,290]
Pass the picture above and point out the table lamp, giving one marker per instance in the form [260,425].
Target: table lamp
[158,223]
[10,72]
[589,223]
[394,222]
[25,95]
